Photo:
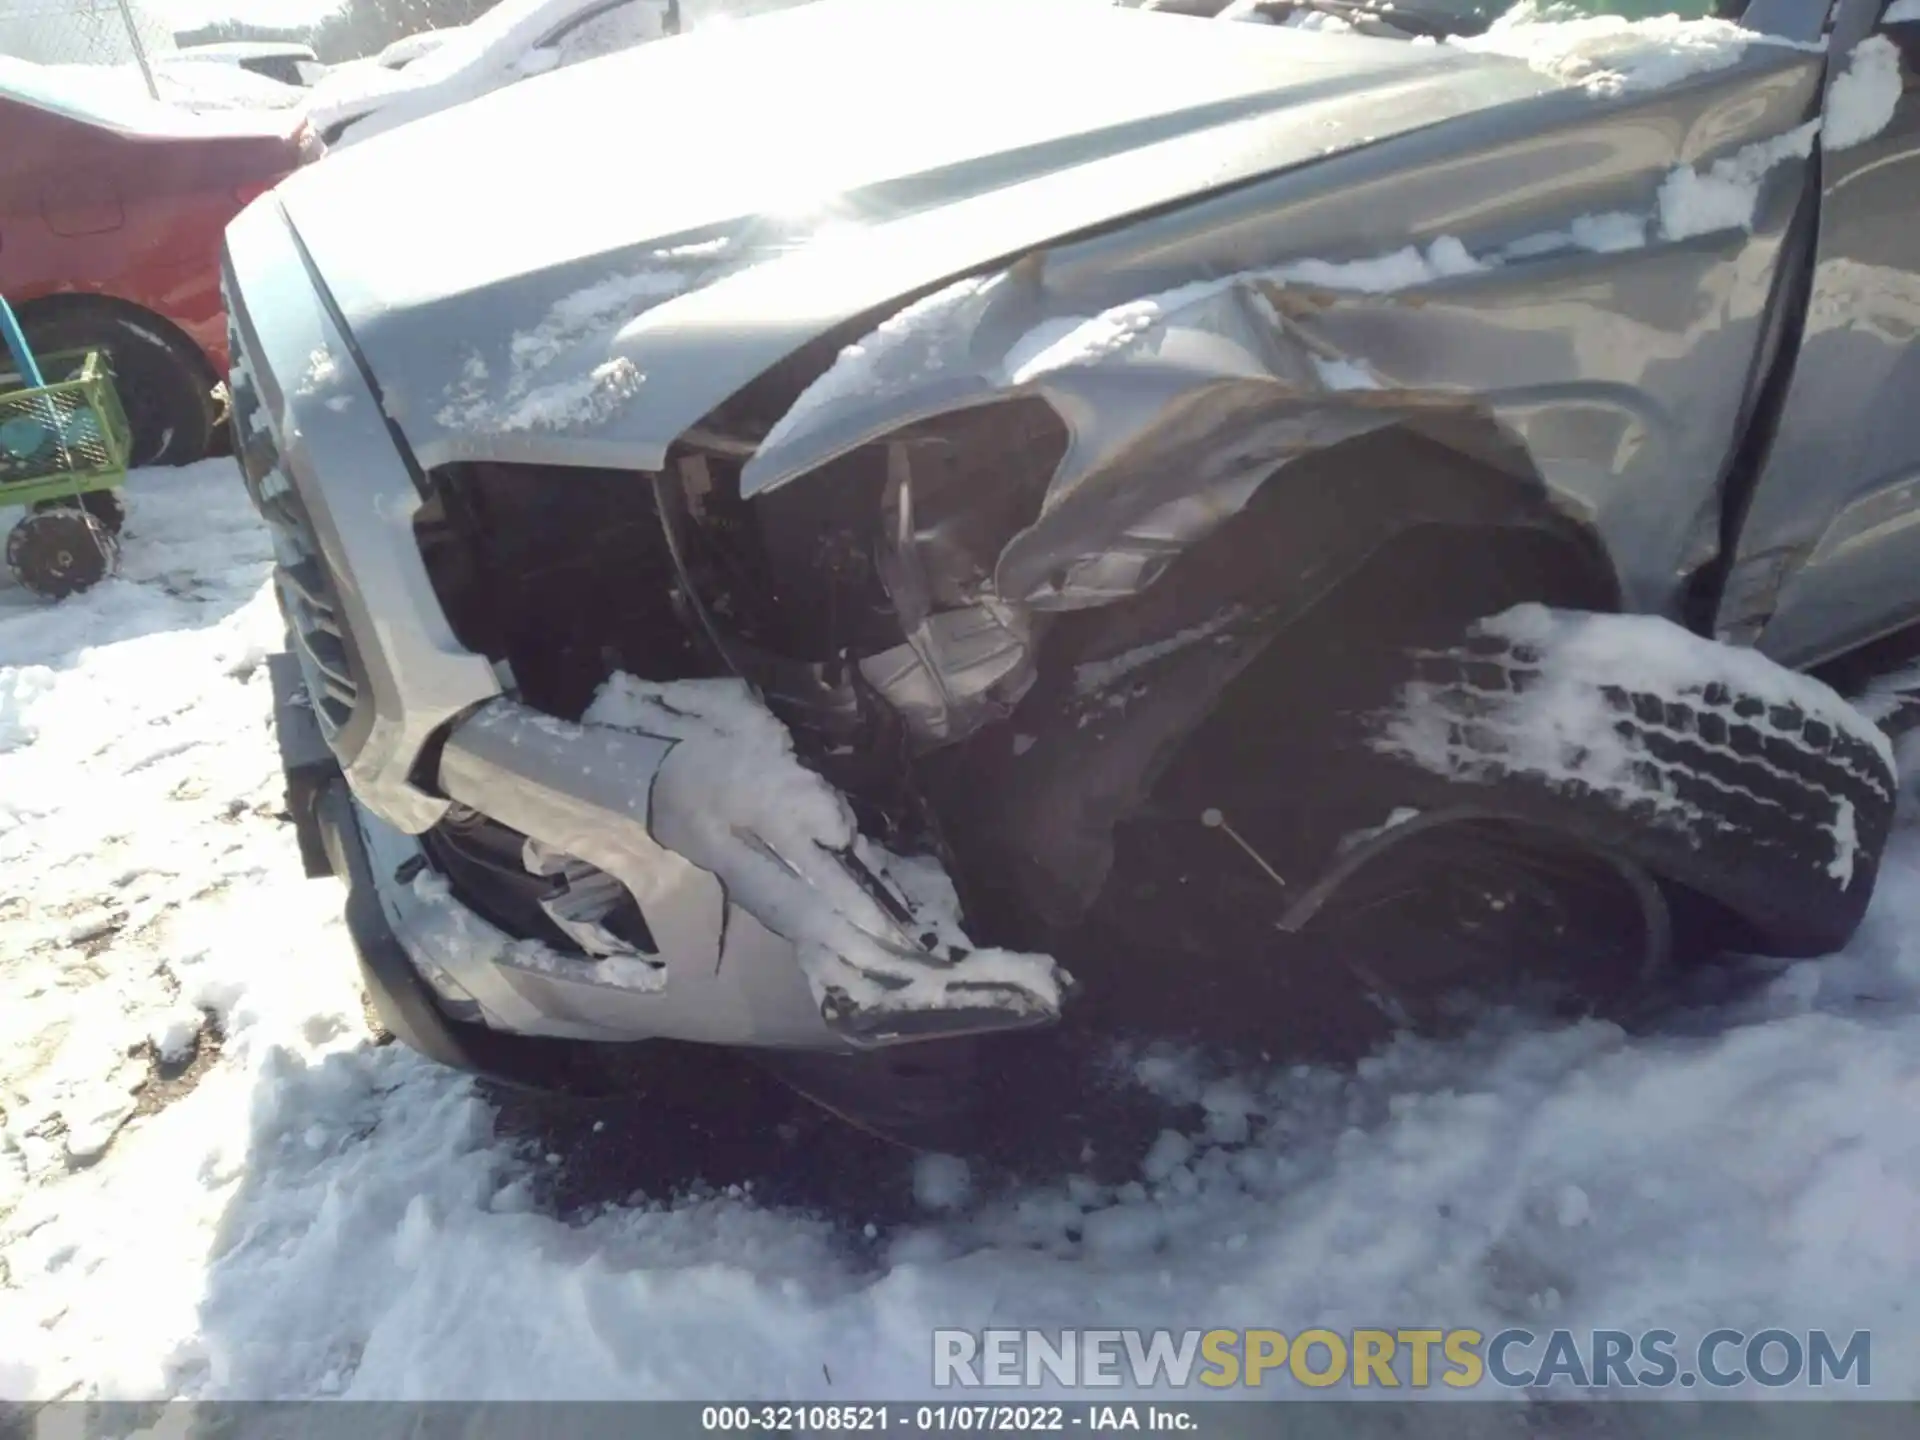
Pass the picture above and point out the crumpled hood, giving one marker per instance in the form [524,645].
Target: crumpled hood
[576,269]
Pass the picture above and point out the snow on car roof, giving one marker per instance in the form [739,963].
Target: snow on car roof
[115,96]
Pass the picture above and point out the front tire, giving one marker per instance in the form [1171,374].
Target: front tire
[1710,766]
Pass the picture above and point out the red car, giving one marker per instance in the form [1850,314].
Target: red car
[111,213]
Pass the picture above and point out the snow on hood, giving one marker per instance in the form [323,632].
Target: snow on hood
[747,240]
[1610,54]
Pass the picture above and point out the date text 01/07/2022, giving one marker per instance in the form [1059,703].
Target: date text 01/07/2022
[937,1419]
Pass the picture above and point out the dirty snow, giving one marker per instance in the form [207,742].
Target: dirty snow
[1862,99]
[1610,54]
[732,797]
[323,1216]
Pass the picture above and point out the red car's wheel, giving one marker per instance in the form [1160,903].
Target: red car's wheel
[104,505]
[165,385]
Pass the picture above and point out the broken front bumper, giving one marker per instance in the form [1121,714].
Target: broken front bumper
[387,723]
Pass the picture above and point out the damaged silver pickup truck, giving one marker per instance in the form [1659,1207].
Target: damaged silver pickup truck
[799,545]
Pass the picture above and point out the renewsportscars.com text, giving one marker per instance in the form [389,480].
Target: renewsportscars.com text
[1405,1359]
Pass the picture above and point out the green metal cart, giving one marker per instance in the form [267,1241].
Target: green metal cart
[63,454]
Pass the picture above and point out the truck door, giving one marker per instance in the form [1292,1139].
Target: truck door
[1828,554]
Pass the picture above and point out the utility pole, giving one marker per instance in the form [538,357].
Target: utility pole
[139,47]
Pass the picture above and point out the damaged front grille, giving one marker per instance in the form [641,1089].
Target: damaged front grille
[308,598]
[559,574]
[530,892]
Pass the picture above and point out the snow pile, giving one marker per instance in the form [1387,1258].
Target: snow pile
[732,797]
[1862,99]
[1612,55]
[317,1216]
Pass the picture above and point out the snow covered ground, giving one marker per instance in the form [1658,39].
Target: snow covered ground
[280,1207]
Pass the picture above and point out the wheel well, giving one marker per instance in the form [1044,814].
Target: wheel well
[1306,600]
[69,304]
[1436,577]
[1449,515]
[1402,526]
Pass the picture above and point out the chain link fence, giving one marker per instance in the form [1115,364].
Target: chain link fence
[84,32]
